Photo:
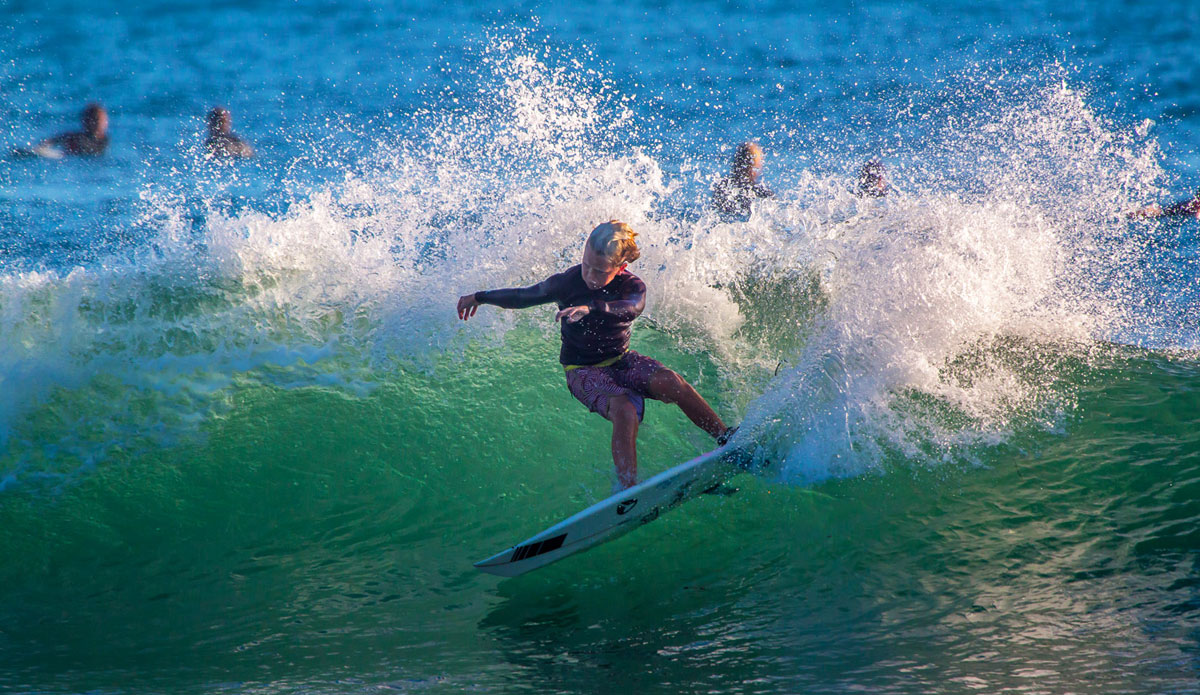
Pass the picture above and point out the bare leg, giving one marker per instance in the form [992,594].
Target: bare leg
[669,387]
[623,415]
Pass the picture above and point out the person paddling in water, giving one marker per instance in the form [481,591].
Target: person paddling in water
[597,303]
[91,141]
[222,141]
[734,194]
[1184,208]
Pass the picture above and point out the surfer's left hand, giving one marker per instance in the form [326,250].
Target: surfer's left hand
[572,313]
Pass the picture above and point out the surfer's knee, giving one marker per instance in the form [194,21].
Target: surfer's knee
[622,412]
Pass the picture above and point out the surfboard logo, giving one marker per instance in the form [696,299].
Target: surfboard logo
[626,506]
[524,552]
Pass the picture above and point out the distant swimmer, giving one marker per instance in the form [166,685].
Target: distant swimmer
[734,194]
[92,140]
[222,141]
[872,180]
[597,303]
[1184,208]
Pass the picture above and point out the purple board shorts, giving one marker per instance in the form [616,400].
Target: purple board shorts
[630,376]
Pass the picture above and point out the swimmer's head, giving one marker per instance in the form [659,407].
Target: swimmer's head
[95,119]
[748,160]
[219,120]
[609,247]
[872,181]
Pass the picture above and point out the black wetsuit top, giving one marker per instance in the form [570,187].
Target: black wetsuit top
[80,143]
[600,335]
[733,195]
[228,145]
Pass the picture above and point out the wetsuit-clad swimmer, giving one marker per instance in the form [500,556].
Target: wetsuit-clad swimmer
[598,301]
[733,194]
[872,181]
[221,141]
[1184,208]
[93,140]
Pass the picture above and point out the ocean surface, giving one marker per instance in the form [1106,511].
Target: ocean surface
[246,447]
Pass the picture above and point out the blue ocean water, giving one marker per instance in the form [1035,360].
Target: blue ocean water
[246,447]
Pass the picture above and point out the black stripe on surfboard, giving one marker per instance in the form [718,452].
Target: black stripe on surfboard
[524,552]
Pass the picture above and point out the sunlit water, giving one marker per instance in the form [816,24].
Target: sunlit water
[246,447]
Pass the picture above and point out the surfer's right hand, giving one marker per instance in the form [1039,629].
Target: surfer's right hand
[572,313]
[467,306]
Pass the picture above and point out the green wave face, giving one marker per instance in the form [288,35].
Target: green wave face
[307,539]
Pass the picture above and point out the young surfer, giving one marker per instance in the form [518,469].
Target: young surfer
[734,194]
[872,181]
[598,301]
[221,140]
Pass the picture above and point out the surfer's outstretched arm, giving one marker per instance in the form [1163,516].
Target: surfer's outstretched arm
[1184,208]
[1146,212]
[514,298]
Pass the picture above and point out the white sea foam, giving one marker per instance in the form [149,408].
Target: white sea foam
[951,313]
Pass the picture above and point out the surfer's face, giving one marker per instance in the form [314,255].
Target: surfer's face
[95,121]
[749,162]
[598,270]
[756,163]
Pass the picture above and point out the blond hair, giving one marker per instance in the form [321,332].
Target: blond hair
[615,241]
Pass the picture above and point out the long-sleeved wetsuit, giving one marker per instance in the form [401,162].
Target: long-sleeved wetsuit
[600,335]
[733,195]
[1183,208]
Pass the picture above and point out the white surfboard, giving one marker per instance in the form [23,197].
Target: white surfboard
[44,151]
[619,514]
